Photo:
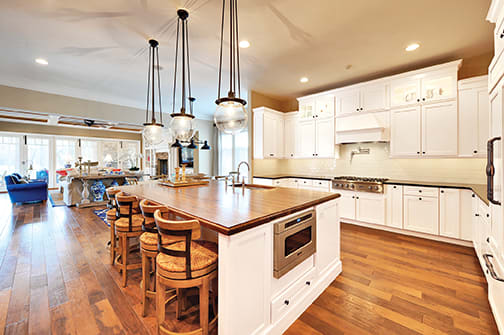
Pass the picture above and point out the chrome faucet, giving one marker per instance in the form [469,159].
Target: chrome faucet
[238,169]
[359,151]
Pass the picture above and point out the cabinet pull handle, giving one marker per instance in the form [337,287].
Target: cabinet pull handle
[490,171]
[476,214]
[442,191]
[490,267]
[419,198]
[308,283]
[286,302]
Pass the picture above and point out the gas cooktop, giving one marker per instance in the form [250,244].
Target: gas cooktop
[360,184]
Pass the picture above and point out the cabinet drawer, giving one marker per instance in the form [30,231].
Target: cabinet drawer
[424,191]
[322,184]
[305,182]
[289,298]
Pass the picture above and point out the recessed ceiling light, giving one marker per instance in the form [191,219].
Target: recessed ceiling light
[41,61]
[412,47]
[244,44]
[303,80]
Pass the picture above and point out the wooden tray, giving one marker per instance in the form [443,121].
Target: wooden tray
[184,184]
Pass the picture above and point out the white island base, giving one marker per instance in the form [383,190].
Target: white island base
[251,300]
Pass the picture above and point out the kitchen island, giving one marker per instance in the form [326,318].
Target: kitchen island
[243,222]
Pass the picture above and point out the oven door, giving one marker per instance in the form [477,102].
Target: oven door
[294,245]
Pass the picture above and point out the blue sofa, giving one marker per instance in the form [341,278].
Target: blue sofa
[29,192]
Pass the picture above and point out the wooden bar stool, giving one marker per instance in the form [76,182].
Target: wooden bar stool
[184,264]
[149,248]
[112,216]
[127,226]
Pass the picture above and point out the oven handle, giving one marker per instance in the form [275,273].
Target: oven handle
[490,170]
[490,267]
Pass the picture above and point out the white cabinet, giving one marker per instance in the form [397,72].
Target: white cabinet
[404,91]
[439,129]
[368,98]
[449,212]
[473,117]
[307,133]
[437,86]
[306,109]
[370,208]
[268,133]
[291,135]
[394,215]
[263,181]
[324,107]
[429,130]
[421,214]
[466,215]
[405,132]
[324,141]
[347,204]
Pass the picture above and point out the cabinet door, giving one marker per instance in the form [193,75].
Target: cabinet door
[476,238]
[348,102]
[449,213]
[439,129]
[270,135]
[404,92]
[373,98]
[468,119]
[306,109]
[324,107]
[483,120]
[405,135]
[439,86]
[466,215]
[370,208]
[307,139]
[290,137]
[347,204]
[279,137]
[394,214]
[324,138]
[263,181]
[421,214]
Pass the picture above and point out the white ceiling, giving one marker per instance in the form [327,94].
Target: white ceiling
[97,49]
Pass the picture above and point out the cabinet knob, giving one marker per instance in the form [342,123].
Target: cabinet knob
[502,35]
[395,186]
[423,99]
[419,191]
[357,197]
[488,215]
[418,152]
[271,155]
[423,152]
[474,195]
[442,191]
[357,109]
[476,214]
[488,239]
[418,100]
[308,283]
[419,198]
[286,302]
[362,109]
[475,151]
[292,155]
[353,197]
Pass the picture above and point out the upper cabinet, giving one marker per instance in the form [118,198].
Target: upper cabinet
[431,86]
[307,109]
[268,133]
[291,131]
[473,117]
[320,107]
[369,98]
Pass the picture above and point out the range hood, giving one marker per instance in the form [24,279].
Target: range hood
[370,127]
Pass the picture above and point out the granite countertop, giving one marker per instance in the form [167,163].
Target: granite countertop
[479,189]
[227,210]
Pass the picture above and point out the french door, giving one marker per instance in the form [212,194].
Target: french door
[10,159]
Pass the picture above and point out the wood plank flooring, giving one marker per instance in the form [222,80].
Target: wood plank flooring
[55,278]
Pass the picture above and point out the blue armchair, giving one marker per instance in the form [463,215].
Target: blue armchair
[28,192]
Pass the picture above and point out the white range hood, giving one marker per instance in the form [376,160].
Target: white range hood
[370,127]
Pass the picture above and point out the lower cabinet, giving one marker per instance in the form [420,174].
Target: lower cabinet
[449,213]
[347,205]
[394,195]
[421,214]
[370,207]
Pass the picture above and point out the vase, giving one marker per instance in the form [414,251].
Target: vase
[98,190]
[114,183]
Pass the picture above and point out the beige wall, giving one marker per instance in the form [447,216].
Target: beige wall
[475,66]
[378,164]
[28,128]
[258,99]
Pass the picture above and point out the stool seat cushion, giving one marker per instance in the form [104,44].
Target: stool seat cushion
[122,224]
[149,241]
[203,260]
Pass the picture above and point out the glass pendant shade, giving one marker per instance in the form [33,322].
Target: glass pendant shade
[152,134]
[182,128]
[230,117]
[192,145]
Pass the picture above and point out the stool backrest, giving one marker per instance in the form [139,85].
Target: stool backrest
[111,193]
[148,208]
[126,204]
[185,230]
[131,181]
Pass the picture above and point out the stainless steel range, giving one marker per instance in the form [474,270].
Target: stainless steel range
[360,184]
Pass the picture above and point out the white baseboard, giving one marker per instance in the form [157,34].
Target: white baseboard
[410,233]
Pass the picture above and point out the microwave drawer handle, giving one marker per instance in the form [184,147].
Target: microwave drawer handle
[490,267]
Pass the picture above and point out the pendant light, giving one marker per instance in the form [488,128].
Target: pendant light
[153,131]
[230,115]
[182,126]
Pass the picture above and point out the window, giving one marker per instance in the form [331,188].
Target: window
[66,153]
[37,155]
[10,157]
[89,150]
[233,150]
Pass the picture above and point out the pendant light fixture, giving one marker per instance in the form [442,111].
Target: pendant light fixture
[230,115]
[153,131]
[182,126]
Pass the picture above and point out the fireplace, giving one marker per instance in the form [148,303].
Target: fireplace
[161,163]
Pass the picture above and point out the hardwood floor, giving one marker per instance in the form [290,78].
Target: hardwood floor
[55,278]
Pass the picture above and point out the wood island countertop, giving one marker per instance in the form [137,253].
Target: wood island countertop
[227,211]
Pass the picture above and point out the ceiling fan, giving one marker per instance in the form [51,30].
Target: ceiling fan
[86,122]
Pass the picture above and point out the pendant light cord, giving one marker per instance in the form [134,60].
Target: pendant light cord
[183,67]
[221,46]
[189,71]
[175,71]
[148,87]
[237,47]
[159,89]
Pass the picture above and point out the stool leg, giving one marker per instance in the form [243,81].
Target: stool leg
[160,302]
[124,257]
[203,295]
[145,282]
[112,242]
[179,303]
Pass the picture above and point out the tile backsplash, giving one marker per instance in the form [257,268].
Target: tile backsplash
[378,164]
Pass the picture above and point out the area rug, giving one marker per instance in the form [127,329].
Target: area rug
[56,198]
[102,214]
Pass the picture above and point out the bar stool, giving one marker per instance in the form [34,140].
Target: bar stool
[127,226]
[112,216]
[184,264]
[149,249]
